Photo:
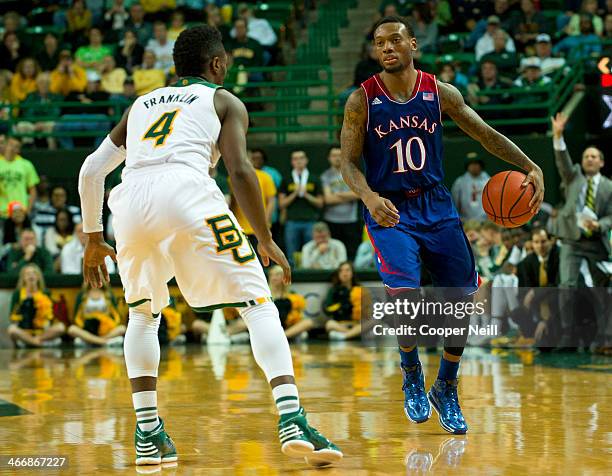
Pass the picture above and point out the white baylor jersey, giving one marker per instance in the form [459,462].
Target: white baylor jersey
[175,124]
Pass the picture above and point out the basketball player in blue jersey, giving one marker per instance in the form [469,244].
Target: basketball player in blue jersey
[394,122]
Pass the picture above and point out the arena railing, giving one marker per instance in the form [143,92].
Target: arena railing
[290,96]
[283,100]
[88,114]
[529,106]
[324,32]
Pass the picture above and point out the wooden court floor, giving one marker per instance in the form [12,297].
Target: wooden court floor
[543,415]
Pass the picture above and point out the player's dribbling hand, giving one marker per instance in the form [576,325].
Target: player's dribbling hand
[94,267]
[270,251]
[535,177]
[382,210]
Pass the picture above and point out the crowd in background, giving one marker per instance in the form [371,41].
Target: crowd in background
[514,44]
[101,55]
[317,220]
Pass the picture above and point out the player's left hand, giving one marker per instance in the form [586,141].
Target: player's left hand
[94,267]
[535,177]
[269,250]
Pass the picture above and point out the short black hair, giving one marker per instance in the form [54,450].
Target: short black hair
[394,19]
[195,48]
[264,156]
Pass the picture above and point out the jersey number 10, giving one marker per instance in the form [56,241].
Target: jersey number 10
[406,158]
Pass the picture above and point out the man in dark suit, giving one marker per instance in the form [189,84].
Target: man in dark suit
[583,225]
[538,277]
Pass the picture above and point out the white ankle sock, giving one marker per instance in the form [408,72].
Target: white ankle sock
[286,398]
[145,405]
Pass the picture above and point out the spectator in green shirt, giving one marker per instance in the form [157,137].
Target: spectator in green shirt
[301,199]
[27,252]
[246,51]
[18,178]
[91,57]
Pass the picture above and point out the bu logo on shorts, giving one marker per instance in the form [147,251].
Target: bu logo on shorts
[229,237]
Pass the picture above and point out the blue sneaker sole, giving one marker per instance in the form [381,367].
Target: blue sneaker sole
[442,424]
[417,421]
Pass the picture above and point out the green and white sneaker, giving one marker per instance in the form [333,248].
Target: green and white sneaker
[300,440]
[155,446]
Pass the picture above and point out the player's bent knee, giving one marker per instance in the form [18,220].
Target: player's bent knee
[141,344]
[252,314]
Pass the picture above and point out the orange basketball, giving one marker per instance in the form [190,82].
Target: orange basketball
[505,201]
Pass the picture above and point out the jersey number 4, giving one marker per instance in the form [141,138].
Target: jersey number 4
[404,159]
[161,128]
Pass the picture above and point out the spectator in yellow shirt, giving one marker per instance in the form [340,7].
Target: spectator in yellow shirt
[268,196]
[148,78]
[68,77]
[112,77]
[79,20]
[177,24]
[158,9]
[24,80]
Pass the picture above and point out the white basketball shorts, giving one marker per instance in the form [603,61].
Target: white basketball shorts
[172,221]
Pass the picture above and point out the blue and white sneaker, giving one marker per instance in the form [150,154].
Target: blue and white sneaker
[443,397]
[416,405]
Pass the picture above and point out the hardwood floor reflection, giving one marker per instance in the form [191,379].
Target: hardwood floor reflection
[525,418]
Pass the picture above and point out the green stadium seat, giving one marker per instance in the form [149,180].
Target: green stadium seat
[452,43]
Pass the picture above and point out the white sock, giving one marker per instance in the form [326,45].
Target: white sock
[145,405]
[286,398]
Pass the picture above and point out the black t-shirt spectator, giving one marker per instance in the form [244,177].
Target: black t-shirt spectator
[301,209]
[7,61]
[128,62]
[245,53]
[48,62]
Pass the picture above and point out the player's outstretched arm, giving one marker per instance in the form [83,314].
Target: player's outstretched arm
[352,140]
[94,170]
[232,145]
[452,103]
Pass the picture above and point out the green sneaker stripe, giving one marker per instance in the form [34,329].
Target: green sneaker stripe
[148,421]
[145,409]
[283,399]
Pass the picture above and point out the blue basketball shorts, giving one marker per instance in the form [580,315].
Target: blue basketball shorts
[428,234]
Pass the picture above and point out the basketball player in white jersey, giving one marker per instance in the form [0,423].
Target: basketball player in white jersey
[171,220]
